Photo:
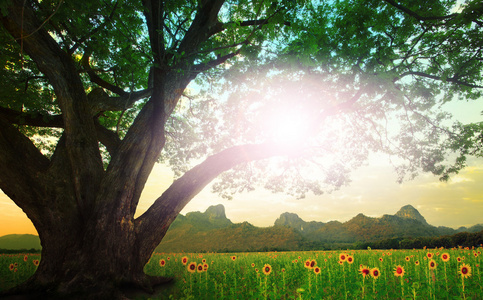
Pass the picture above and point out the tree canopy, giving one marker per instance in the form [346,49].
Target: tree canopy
[94,93]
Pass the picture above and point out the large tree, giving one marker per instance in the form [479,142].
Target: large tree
[94,93]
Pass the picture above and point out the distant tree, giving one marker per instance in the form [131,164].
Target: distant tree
[94,93]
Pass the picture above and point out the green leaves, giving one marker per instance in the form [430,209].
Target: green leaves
[370,68]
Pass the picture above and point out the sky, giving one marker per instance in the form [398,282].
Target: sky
[373,192]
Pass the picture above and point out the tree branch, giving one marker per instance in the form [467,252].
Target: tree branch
[31,119]
[417,16]
[213,63]
[100,100]
[172,201]
[96,78]
[204,25]
[108,138]
[451,79]
[22,164]
[153,12]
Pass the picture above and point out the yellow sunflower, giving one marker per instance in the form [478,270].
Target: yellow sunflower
[192,267]
[350,259]
[465,270]
[307,264]
[445,257]
[364,270]
[399,271]
[432,264]
[267,269]
[375,273]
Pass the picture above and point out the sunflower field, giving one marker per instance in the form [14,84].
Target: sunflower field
[352,274]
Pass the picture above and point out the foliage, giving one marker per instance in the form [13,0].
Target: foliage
[395,61]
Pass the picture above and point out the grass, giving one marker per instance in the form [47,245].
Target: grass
[421,274]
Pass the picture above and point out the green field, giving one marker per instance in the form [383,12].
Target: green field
[422,274]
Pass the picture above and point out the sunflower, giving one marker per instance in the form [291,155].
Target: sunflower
[162,262]
[416,263]
[381,259]
[458,259]
[445,257]
[465,270]
[313,263]
[36,262]
[429,255]
[399,271]
[342,257]
[25,258]
[432,264]
[184,260]
[407,258]
[307,263]
[192,267]
[364,270]
[233,258]
[11,267]
[350,259]
[317,270]
[199,268]
[267,269]
[375,273]
[253,265]
[205,267]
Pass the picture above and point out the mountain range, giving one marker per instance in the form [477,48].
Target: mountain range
[213,231]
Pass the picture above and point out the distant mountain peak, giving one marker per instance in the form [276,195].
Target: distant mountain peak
[291,220]
[216,212]
[409,212]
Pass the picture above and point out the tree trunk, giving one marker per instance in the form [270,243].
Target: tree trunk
[79,263]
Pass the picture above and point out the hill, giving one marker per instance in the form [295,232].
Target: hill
[20,241]
[407,222]
[213,231]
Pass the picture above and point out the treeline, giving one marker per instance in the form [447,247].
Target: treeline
[16,251]
[463,239]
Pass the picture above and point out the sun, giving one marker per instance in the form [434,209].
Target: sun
[287,126]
